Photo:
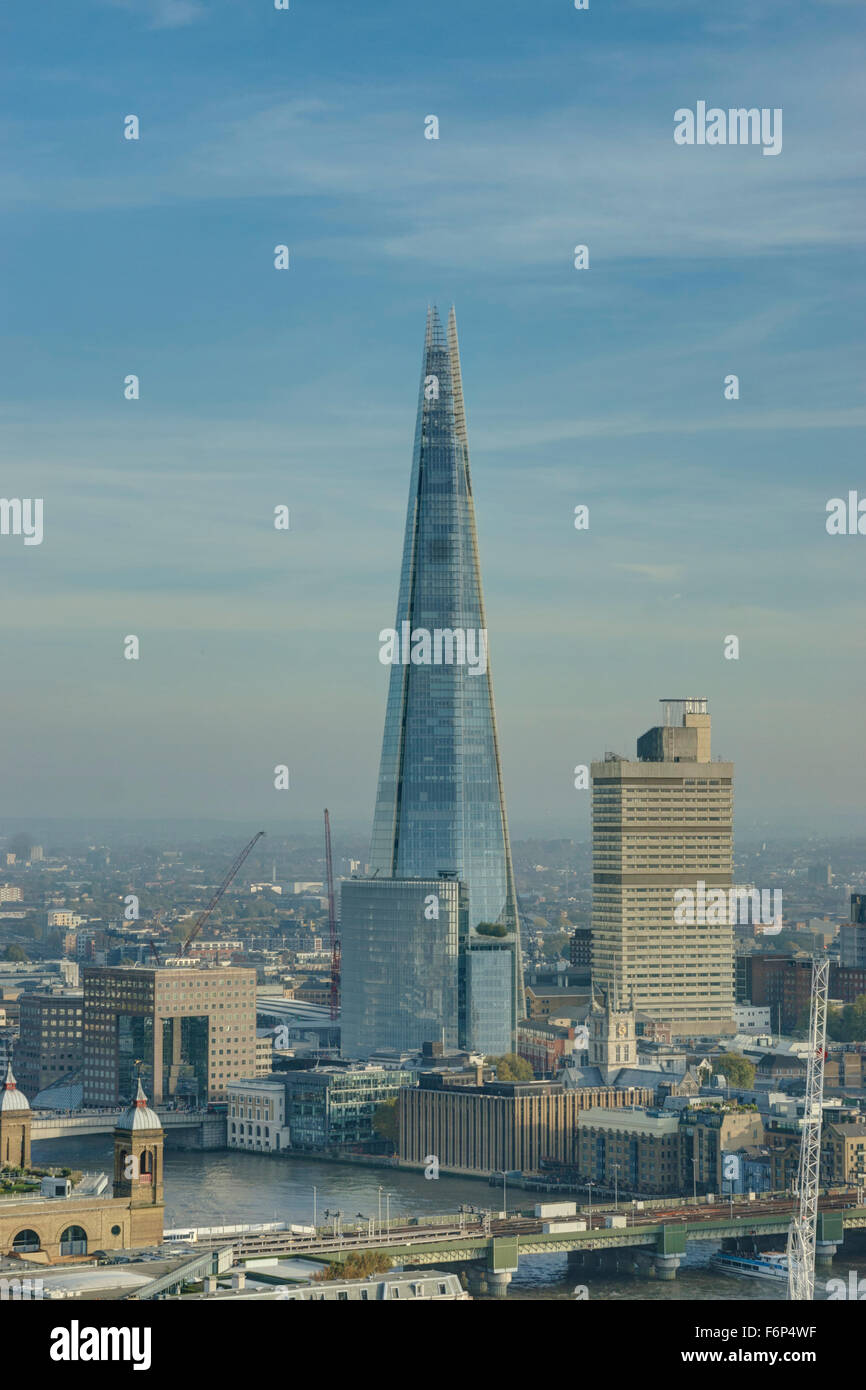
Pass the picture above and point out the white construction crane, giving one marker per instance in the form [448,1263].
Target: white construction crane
[802,1232]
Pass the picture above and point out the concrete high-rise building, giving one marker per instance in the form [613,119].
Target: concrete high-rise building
[430,942]
[660,824]
[192,1030]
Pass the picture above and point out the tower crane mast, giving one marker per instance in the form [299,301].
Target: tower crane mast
[203,916]
[803,1229]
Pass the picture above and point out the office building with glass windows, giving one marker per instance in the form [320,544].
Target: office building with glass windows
[430,941]
[187,1031]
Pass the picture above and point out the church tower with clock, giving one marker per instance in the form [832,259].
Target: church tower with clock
[612,1041]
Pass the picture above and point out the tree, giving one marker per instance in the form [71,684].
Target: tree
[15,953]
[556,944]
[848,1024]
[510,1067]
[386,1121]
[492,929]
[357,1265]
[737,1069]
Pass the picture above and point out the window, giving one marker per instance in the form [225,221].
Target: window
[73,1241]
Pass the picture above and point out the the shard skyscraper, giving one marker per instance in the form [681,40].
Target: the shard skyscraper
[430,941]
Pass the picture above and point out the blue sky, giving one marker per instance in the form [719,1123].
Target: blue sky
[258,387]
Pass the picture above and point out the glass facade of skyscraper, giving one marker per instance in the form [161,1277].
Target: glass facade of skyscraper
[440,808]
[400,963]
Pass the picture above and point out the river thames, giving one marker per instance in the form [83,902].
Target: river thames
[225,1187]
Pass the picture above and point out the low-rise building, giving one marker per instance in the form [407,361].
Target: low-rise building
[637,1150]
[256,1116]
[61,1222]
[510,1126]
[333,1107]
[545,1045]
[708,1133]
[752,1018]
[843,1153]
[553,1001]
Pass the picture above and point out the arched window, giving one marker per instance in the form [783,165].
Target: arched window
[25,1242]
[73,1241]
[146,1167]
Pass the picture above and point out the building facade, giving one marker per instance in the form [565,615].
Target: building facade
[256,1117]
[661,824]
[708,1133]
[50,1229]
[843,1153]
[635,1150]
[192,1029]
[500,1126]
[440,806]
[666,1153]
[333,1107]
[782,984]
[852,935]
[545,1046]
[401,961]
[51,1039]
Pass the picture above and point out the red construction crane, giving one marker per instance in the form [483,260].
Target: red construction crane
[332,925]
[203,916]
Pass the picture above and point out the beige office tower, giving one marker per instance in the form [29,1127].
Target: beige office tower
[659,824]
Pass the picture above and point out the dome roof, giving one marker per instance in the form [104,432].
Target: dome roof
[10,1097]
[138,1115]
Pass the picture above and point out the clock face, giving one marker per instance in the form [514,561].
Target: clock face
[621,1031]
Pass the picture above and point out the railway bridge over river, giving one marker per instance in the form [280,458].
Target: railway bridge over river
[490,1247]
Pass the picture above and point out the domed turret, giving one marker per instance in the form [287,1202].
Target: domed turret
[10,1097]
[138,1115]
[15,1121]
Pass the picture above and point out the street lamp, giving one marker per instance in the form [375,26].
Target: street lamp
[589,1187]
[500,1172]
[380,1210]
[695,1181]
[315,1197]
[616,1187]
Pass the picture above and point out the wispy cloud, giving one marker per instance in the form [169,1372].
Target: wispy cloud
[161,14]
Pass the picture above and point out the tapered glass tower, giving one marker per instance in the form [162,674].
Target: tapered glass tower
[440,808]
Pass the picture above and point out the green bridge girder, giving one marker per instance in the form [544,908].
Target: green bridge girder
[502,1252]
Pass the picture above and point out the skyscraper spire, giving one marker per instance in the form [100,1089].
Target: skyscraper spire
[440,808]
